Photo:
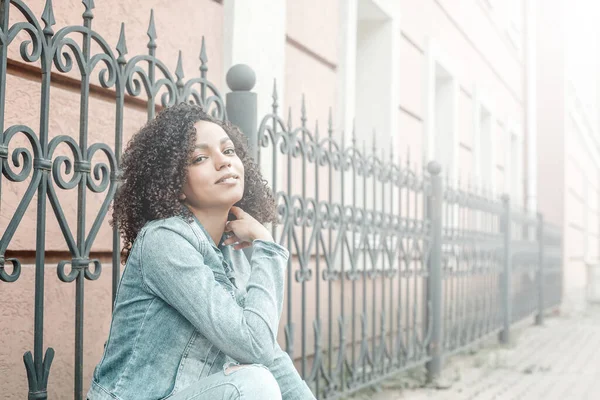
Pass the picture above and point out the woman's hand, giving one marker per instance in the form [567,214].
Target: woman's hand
[245,230]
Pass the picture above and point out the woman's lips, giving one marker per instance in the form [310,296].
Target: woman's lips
[227,181]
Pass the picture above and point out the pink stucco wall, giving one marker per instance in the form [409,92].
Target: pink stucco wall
[16,330]
[310,21]
[471,35]
[316,81]
[475,41]
[581,204]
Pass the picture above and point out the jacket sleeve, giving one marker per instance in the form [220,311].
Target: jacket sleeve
[174,270]
[290,383]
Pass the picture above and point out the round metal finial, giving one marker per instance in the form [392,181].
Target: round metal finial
[434,168]
[241,77]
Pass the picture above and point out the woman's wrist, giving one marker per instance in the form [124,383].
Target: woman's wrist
[264,235]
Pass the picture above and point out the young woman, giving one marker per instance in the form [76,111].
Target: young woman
[193,319]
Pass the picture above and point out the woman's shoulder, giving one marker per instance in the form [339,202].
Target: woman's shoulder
[174,222]
[169,231]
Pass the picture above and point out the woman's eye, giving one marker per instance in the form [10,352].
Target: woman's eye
[199,159]
[229,151]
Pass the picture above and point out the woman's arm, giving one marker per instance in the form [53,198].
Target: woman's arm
[174,270]
[290,383]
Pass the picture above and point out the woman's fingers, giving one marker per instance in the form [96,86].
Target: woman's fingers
[231,239]
[237,242]
[238,212]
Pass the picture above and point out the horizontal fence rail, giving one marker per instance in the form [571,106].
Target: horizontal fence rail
[391,268]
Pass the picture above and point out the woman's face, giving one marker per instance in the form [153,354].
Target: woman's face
[215,174]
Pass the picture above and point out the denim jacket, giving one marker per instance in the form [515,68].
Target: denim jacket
[185,308]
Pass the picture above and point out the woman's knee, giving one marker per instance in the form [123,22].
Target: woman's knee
[255,382]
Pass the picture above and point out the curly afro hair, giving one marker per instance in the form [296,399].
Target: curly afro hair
[154,168]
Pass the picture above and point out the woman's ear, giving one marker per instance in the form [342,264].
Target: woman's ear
[182,197]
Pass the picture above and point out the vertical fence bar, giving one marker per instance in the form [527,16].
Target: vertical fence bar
[539,318]
[401,348]
[84,168]
[4,6]
[38,367]
[241,106]
[373,249]
[342,240]
[354,264]
[151,106]
[407,270]
[434,281]
[364,346]
[40,244]
[507,274]
[385,238]
[119,116]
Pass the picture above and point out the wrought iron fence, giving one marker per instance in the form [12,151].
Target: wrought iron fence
[428,269]
[410,269]
[390,268]
[69,50]
[473,261]
[356,224]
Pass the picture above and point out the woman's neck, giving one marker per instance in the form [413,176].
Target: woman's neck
[213,221]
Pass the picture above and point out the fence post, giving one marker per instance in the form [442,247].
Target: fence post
[539,318]
[242,111]
[507,273]
[434,281]
[241,103]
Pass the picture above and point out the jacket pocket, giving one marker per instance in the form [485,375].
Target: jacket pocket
[196,361]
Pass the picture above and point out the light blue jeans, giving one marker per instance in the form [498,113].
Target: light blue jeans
[235,382]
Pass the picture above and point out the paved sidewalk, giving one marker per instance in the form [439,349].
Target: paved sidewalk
[557,361]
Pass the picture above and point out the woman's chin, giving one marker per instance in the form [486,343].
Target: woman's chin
[227,201]
[216,201]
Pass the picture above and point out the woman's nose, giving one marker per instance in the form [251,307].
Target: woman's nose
[222,161]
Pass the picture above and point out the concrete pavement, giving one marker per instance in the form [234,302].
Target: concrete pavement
[557,361]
